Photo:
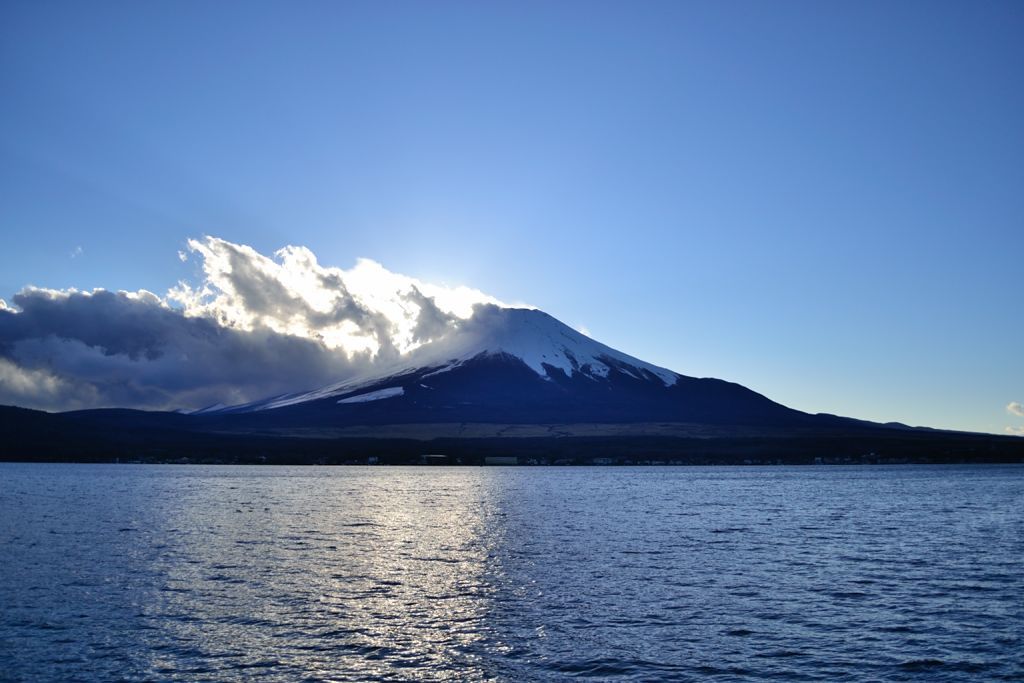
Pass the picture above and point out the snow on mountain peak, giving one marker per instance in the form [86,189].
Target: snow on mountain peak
[541,342]
[538,340]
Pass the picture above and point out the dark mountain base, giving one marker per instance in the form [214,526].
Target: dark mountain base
[126,436]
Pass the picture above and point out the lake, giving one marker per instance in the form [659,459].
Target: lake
[147,572]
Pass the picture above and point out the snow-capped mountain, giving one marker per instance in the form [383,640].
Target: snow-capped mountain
[537,340]
[508,365]
[506,382]
[542,343]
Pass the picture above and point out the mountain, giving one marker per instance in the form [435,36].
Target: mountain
[512,382]
[519,366]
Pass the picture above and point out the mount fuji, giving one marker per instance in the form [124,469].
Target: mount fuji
[514,365]
[510,383]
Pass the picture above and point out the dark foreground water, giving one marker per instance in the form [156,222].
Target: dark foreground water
[276,573]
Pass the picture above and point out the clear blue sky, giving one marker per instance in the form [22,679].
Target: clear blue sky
[822,201]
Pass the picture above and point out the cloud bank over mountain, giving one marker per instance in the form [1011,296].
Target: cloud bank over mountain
[253,326]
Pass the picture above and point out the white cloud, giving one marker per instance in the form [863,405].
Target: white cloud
[32,388]
[77,251]
[182,256]
[366,309]
[1015,408]
[252,327]
[1017,431]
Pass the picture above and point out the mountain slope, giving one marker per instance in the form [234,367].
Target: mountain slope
[520,366]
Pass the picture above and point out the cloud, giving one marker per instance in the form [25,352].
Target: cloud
[30,387]
[1015,408]
[253,327]
[66,350]
[431,322]
[364,309]
[77,251]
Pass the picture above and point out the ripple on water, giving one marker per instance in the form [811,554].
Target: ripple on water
[225,573]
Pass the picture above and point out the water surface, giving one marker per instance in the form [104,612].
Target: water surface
[276,573]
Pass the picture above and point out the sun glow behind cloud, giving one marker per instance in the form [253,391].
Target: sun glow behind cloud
[364,310]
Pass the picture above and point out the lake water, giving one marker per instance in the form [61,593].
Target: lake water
[194,573]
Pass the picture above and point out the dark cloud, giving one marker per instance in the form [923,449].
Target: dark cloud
[258,292]
[73,350]
[431,322]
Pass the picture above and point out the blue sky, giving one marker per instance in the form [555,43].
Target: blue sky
[822,201]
